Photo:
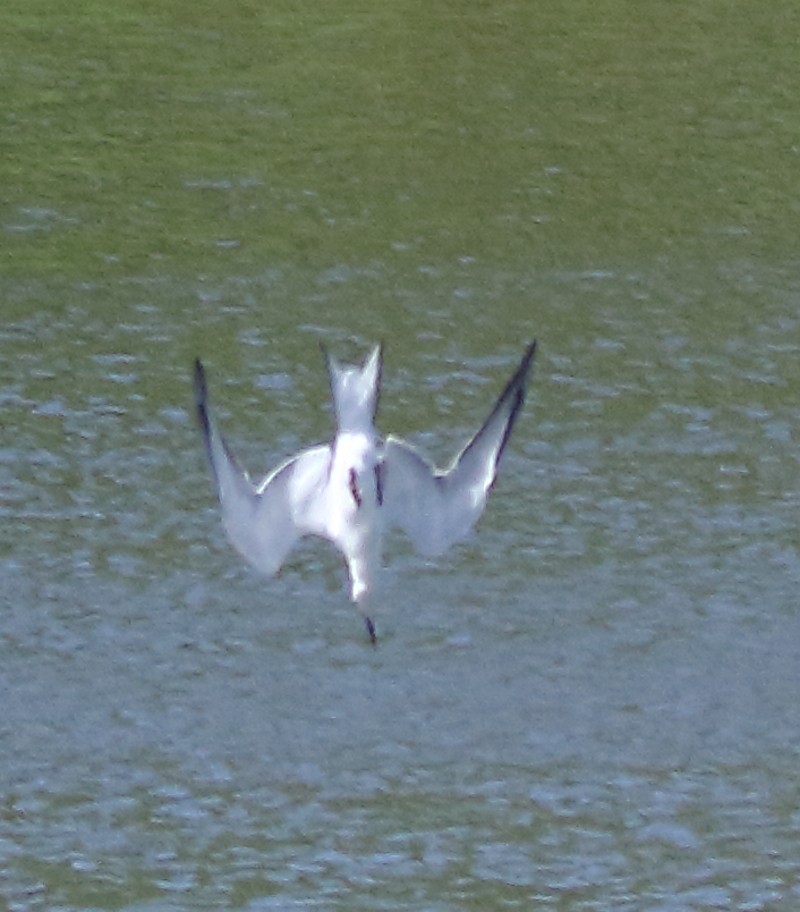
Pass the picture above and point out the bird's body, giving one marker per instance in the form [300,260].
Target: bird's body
[353,489]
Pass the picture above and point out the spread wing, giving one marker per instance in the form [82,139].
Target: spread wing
[263,522]
[434,508]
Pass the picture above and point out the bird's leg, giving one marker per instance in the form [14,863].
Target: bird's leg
[373,637]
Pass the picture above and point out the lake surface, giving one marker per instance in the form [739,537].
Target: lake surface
[592,704]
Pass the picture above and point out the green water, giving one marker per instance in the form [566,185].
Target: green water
[155,139]
[592,704]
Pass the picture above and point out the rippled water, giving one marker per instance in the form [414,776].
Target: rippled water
[590,705]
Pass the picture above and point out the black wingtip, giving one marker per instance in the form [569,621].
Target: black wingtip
[201,406]
[514,393]
[201,403]
[527,358]
[516,385]
[200,388]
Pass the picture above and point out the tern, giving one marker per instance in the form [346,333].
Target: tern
[352,490]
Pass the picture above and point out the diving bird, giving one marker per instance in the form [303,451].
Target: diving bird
[351,490]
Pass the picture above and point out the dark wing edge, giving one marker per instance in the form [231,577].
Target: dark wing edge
[434,508]
[258,522]
[207,428]
[506,408]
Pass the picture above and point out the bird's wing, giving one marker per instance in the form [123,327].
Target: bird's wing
[264,522]
[436,509]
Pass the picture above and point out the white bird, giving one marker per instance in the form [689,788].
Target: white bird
[351,490]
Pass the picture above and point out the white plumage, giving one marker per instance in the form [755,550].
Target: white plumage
[353,489]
